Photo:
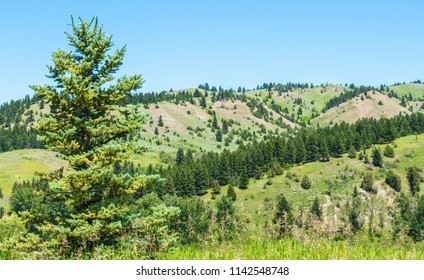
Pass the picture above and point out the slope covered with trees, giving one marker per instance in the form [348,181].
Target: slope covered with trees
[232,167]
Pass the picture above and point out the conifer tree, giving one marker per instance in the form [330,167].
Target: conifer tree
[218,135]
[367,183]
[316,209]
[377,158]
[202,179]
[202,102]
[306,182]
[160,121]
[215,121]
[393,180]
[244,178]
[416,228]
[414,179]
[389,151]
[88,128]
[283,217]
[231,193]
[180,156]
[352,152]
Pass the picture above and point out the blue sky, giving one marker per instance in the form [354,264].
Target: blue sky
[180,44]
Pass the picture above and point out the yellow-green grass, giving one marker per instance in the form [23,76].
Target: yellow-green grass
[257,203]
[252,248]
[356,108]
[416,90]
[22,164]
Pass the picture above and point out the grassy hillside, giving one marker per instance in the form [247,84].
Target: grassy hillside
[22,164]
[372,105]
[416,90]
[333,184]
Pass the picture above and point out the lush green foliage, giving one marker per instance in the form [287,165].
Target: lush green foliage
[89,208]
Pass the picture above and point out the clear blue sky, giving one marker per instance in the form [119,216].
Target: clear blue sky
[180,44]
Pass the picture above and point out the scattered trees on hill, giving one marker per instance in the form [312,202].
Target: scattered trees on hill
[393,180]
[414,179]
[283,218]
[160,121]
[389,151]
[377,158]
[305,146]
[306,182]
[347,95]
[367,183]
[316,209]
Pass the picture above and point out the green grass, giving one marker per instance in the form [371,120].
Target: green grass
[359,248]
[416,90]
[21,165]
[344,173]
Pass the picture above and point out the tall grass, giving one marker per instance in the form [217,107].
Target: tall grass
[358,248]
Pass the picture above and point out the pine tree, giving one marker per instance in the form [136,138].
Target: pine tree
[215,121]
[352,152]
[149,169]
[316,209]
[393,180]
[414,179]
[283,217]
[306,182]
[180,156]
[416,227]
[324,153]
[160,121]
[88,128]
[377,158]
[224,126]
[202,179]
[218,135]
[203,102]
[355,211]
[156,131]
[389,151]
[231,193]
[216,188]
[367,183]
[244,178]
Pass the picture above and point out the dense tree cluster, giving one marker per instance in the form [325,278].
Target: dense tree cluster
[307,145]
[347,95]
[19,137]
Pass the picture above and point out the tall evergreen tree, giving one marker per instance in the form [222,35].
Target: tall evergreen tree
[180,156]
[215,121]
[414,179]
[202,102]
[244,178]
[160,121]
[218,135]
[84,129]
[393,180]
[231,193]
[283,217]
[316,209]
[377,158]
[367,183]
